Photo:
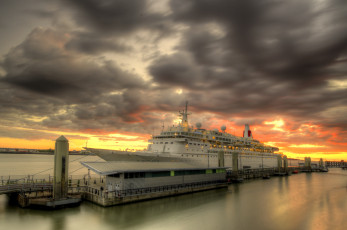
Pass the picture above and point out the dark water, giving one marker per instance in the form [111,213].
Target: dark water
[304,201]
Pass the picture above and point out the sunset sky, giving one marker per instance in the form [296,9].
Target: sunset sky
[112,72]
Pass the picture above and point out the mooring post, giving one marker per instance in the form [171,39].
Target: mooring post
[279,162]
[221,159]
[61,166]
[235,159]
[285,163]
[306,164]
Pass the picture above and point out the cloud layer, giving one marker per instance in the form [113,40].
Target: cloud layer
[125,66]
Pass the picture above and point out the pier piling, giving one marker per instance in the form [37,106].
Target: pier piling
[221,159]
[61,167]
[279,162]
[307,167]
[285,164]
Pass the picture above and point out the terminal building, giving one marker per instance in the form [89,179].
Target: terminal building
[124,182]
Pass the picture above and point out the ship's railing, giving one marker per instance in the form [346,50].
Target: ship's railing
[241,152]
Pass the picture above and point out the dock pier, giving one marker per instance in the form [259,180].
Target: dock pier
[47,195]
[124,182]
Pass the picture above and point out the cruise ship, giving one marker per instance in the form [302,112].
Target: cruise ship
[199,146]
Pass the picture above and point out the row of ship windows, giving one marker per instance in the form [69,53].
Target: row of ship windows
[212,156]
[188,143]
[196,135]
[195,155]
[215,146]
[182,133]
[197,144]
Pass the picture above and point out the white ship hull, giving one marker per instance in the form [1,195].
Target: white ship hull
[204,160]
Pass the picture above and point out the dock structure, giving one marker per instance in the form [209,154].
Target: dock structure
[308,166]
[236,175]
[61,177]
[125,182]
[336,164]
[47,194]
[281,171]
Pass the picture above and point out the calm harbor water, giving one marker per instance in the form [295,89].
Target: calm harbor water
[305,201]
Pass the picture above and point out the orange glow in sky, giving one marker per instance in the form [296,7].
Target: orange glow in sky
[298,143]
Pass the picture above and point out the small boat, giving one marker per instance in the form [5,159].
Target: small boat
[295,171]
[237,180]
[324,169]
[266,176]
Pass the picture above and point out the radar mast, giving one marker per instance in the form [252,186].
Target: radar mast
[184,115]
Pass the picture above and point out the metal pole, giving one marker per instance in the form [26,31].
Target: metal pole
[208,159]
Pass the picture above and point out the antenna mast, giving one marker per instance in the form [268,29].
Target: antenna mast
[184,115]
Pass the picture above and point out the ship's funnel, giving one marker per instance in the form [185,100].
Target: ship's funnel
[247,132]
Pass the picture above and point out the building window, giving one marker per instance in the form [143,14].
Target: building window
[134,175]
[158,174]
[114,175]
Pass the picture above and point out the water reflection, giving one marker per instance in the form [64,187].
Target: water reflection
[304,201]
[34,219]
[135,214]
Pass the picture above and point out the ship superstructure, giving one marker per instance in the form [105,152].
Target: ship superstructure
[183,139]
[201,146]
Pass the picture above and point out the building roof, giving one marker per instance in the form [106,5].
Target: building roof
[113,167]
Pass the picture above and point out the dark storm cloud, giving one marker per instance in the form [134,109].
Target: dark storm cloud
[260,57]
[117,17]
[234,59]
[176,69]
[292,40]
[94,44]
[67,88]
[42,65]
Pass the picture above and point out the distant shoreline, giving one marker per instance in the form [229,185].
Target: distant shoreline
[42,153]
